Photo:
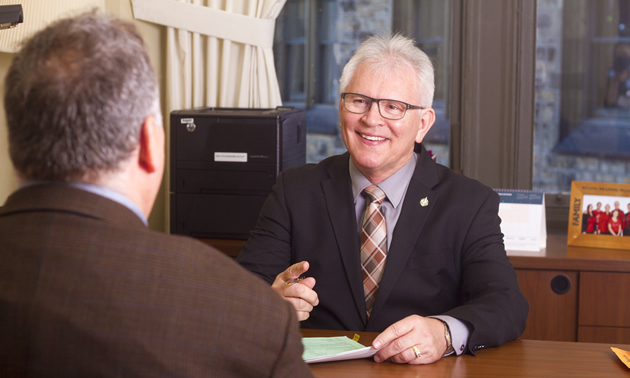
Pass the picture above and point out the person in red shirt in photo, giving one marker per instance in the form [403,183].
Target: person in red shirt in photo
[615,224]
[602,221]
[588,221]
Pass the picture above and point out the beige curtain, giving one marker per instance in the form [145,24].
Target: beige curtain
[219,52]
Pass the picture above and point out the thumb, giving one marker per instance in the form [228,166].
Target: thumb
[295,271]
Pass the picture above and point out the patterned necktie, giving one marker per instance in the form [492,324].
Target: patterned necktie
[373,245]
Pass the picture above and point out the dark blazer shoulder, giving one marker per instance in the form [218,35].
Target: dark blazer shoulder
[205,263]
[195,304]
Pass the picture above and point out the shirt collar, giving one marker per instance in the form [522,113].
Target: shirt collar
[101,191]
[394,186]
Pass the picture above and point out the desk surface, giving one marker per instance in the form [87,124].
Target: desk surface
[520,358]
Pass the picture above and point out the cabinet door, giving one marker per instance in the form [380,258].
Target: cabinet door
[552,316]
[605,299]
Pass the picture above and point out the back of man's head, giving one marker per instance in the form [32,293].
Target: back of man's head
[76,96]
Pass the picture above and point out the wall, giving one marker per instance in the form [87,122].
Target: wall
[155,37]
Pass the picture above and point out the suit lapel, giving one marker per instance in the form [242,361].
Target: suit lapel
[340,204]
[413,217]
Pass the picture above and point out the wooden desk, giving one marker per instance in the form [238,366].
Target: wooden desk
[596,305]
[520,358]
[231,247]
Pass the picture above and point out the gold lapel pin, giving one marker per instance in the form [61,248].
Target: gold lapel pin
[424,202]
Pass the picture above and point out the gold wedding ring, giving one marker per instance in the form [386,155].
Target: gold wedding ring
[295,280]
[416,351]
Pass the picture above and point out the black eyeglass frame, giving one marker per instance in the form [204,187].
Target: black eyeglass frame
[378,105]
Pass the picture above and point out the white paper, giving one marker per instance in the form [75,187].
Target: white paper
[326,349]
[354,354]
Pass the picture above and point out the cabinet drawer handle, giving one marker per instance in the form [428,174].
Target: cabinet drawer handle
[560,284]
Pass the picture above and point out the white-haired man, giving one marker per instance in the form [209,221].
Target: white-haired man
[395,242]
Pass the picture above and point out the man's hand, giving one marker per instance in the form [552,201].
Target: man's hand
[426,334]
[300,294]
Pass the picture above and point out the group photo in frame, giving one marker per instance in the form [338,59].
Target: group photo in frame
[599,215]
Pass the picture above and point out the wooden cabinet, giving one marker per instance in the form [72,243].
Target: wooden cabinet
[596,306]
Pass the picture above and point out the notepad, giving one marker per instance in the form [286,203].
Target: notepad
[523,219]
[325,349]
[623,355]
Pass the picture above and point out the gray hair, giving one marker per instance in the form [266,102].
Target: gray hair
[76,96]
[390,54]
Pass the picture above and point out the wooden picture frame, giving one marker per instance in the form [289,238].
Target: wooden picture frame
[584,231]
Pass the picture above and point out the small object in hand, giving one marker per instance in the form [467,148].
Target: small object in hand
[416,351]
[295,280]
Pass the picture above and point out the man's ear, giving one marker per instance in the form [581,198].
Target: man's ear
[426,121]
[151,145]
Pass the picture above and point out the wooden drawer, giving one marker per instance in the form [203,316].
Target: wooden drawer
[609,335]
[604,299]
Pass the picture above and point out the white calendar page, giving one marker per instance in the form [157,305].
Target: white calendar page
[523,220]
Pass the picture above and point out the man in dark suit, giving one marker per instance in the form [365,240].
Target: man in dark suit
[86,289]
[440,282]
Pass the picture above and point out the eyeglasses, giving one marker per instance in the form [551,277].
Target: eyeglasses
[390,109]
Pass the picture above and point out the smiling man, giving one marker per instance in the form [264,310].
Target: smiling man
[382,238]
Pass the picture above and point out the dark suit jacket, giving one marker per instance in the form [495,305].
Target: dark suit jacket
[446,258]
[86,289]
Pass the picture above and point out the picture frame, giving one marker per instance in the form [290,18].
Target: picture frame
[592,222]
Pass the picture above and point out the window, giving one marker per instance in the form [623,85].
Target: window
[582,122]
[308,74]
